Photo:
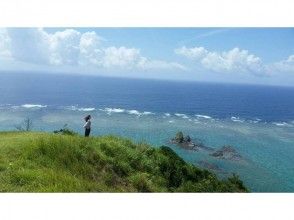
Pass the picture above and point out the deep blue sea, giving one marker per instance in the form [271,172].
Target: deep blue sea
[258,121]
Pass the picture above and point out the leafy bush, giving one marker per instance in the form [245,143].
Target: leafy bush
[141,182]
[65,131]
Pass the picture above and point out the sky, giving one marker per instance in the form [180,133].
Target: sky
[230,55]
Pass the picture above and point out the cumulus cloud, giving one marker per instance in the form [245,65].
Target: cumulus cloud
[64,47]
[232,61]
[192,53]
[90,52]
[28,45]
[71,47]
[159,64]
[131,58]
[37,46]
[121,57]
[4,45]
[285,65]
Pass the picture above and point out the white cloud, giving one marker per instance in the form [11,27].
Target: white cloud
[233,61]
[121,57]
[4,45]
[159,64]
[131,58]
[192,53]
[64,47]
[90,53]
[29,45]
[71,47]
[285,65]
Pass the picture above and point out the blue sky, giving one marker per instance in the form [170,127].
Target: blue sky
[234,55]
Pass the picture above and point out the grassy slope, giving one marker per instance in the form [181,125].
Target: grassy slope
[43,162]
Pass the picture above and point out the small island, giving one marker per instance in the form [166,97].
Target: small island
[184,142]
[187,143]
[227,153]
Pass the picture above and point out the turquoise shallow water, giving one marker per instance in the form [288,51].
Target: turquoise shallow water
[267,148]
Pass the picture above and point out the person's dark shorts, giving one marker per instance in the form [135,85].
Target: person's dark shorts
[87,132]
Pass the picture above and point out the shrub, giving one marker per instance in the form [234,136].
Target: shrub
[141,182]
[235,180]
[65,131]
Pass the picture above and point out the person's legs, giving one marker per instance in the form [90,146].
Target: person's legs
[87,132]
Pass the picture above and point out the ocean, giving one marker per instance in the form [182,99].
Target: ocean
[257,121]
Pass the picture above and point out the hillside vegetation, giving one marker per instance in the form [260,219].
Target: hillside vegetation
[45,162]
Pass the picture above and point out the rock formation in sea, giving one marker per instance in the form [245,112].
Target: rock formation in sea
[227,153]
[187,143]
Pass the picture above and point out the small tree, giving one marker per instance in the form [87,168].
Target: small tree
[26,125]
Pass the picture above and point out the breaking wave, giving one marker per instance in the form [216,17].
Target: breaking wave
[31,106]
[196,118]
[75,108]
[113,110]
[136,112]
[203,116]
[109,111]
[237,119]
[282,124]
[184,116]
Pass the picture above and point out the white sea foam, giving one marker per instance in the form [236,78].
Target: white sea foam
[131,112]
[237,119]
[134,112]
[147,113]
[203,116]
[171,121]
[167,114]
[256,120]
[282,124]
[181,115]
[33,106]
[113,110]
[86,109]
[75,108]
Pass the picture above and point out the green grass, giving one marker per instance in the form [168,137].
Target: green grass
[45,162]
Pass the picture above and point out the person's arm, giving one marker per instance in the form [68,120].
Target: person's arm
[86,125]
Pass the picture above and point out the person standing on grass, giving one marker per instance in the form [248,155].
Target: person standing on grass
[87,125]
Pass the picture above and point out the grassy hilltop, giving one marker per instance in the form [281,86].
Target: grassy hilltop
[45,162]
